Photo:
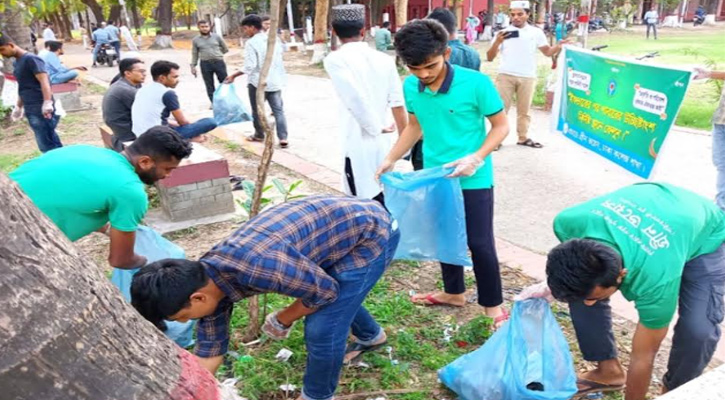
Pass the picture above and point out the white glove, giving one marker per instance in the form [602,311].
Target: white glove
[540,290]
[274,329]
[17,114]
[465,166]
[47,107]
[700,73]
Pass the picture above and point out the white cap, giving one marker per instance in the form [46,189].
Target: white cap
[520,4]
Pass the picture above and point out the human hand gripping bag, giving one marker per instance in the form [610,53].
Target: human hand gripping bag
[528,358]
[429,210]
[155,247]
[228,107]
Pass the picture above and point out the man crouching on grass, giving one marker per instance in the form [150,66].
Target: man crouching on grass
[327,252]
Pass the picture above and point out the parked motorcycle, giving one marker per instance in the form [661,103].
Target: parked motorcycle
[698,20]
[106,55]
[597,23]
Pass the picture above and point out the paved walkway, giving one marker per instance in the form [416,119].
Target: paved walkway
[532,185]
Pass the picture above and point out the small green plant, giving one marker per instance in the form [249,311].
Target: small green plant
[4,111]
[287,193]
[710,64]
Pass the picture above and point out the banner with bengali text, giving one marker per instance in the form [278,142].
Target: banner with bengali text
[620,109]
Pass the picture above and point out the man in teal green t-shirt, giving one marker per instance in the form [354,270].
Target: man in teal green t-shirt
[448,106]
[383,38]
[85,189]
[661,246]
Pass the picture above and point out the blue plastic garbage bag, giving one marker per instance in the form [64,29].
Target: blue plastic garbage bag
[429,210]
[228,107]
[154,247]
[527,358]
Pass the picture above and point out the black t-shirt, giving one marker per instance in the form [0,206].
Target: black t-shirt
[171,101]
[25,69]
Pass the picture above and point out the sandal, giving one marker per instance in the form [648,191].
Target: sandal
[283,144]
[530,143]
[431,301]
[254,139]
[594,387]
[355,346]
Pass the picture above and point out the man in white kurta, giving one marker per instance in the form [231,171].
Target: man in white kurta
[368,86]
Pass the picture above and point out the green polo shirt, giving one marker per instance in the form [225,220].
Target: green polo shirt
[453,119]
[81,188]
[657,228]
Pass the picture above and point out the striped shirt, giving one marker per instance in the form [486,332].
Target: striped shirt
[289,249]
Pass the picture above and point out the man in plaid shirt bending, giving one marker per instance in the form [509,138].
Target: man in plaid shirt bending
[327,252]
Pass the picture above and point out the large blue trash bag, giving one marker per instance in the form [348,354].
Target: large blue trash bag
[154,247]
[228,107]
[430,213]
[528,358]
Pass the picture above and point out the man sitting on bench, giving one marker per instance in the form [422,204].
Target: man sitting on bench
[58,72]
[156,101]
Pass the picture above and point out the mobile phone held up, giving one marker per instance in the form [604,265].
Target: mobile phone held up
[511,34]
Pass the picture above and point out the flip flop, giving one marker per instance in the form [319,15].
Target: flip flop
[594,387]
[530,143]
[355,346]
[432,301]
[254,139]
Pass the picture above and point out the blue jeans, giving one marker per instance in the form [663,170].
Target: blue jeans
[326,330]
[195,129]
[63,77]
[95,51]
[117,46]
[275,103]
[718,158]
[44,129]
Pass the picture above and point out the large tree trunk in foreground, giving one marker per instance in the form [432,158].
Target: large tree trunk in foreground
[163,37]
[320,42]
[65,330]
[253,330]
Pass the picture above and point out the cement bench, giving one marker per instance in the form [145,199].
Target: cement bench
[69,95]
[198,188]
[106,136]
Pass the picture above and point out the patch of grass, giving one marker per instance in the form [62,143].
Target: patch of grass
[94,89]
[19,131]
[232,146]
[8,162]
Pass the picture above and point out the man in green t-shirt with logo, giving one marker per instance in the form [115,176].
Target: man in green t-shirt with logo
[85,189]
[661,246]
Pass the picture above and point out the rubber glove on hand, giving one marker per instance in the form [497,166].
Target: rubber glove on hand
[274,329]
[466,166]
[47,108]
[537,291]
[17,114]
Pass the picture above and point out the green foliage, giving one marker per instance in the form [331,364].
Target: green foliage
[8,162]
[287,193]
[4,111]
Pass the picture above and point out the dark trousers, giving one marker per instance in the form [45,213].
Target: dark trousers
[117,46]
[416,155]
[44,130]
[350,176]
[275,103]
[653,27]
[696,333]
[478,204]
[208,70]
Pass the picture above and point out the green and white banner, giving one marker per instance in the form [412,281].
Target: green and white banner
[618,108]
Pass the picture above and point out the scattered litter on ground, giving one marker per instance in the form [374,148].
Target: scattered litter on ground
[287,387]
[283,355]
[594,396]
[361,364]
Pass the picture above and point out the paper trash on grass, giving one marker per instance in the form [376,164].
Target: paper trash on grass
[228,390]
[288,387]
[283,355]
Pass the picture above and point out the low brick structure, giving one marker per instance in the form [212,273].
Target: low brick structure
[69,95]
[198,188]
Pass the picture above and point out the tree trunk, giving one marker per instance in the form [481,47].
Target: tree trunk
[401,13]
[65,330]
[320,41]
[254,321]
[115,14]
[59,29]
[96,9]
[163,37]
[67,23]
[540,13]
[136,18]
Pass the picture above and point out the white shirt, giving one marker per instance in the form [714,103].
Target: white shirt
[255,49]
[518,55]
[148,105]
[368,85]
[651,17]
[48,34]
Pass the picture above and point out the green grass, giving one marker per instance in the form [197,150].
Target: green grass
[95,89]
[415,335]
[8,162]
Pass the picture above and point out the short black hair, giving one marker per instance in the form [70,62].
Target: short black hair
[127,64]
[54,45]
[252,20]
[163,288]
[419,40]
[445,17]
[160,143]
[162,68]
[576,266]
[348,29]
[386,24]
[265,18]
[5,40]
[202,22]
